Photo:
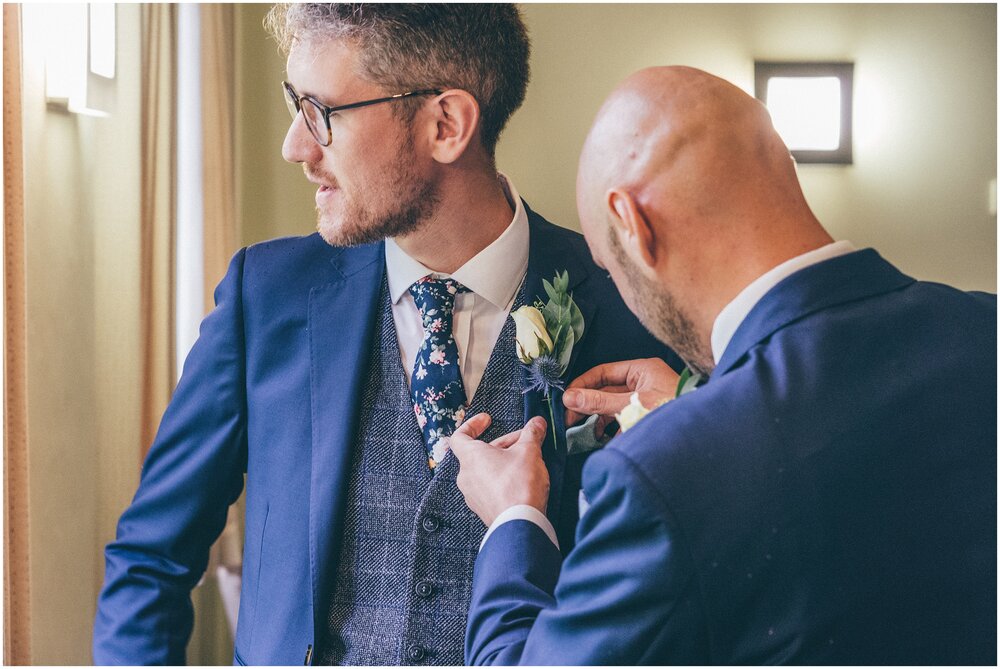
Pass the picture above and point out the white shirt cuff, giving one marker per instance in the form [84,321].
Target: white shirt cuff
[523,512]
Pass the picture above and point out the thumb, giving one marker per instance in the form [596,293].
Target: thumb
[471,429]
[586,401]
[533,433]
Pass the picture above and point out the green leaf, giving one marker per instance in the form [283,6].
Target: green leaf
[556,334]
[543,348]
[551,315]
[688,382]
[550,291]
[562,282]
[685,375]
[566,352]
[576,319]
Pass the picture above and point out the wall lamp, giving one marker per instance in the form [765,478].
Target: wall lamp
[810,105]
[80,57]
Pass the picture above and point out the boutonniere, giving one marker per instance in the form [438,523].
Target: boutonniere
[546,334]
[635,411]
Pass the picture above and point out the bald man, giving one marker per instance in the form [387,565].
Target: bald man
[829,496]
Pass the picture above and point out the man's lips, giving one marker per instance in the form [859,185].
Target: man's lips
[324,182]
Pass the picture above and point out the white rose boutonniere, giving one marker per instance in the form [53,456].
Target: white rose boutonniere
[532,338]
[546,334]
[635,411]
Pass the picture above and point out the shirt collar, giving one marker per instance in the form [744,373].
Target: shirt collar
[495,273]
[730,318]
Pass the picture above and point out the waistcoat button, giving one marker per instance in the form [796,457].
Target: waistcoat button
[415,653]
[424,589]
[430,524]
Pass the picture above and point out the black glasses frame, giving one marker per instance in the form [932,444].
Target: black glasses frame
[297,101]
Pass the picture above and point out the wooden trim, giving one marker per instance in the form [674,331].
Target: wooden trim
[17,572]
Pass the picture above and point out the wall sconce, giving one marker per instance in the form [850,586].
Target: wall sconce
[80,58]
[810,106]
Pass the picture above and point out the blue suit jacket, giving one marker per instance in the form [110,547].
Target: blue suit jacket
[828,497]
[272,389]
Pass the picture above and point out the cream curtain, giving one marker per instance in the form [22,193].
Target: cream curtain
[218,84]
[16,575]
[158,212]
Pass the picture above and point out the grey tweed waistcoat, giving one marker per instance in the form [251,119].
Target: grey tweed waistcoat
[404,578]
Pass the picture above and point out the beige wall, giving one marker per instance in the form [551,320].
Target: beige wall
[925,115]
[82,250]
[274,199]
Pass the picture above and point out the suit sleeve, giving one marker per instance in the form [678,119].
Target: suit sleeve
[193,472]
[626,594]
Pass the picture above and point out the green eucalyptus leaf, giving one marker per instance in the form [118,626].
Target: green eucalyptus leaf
[685,375]
[565,352]
[558,334]
[551,315]
[562,282]
[576,320]
[550,291]
[688,382]
[543,348]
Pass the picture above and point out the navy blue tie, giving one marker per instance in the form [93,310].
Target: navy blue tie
[436,384]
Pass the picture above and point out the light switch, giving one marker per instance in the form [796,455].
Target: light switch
[993,197]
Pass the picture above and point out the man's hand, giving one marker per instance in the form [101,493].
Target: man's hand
[503,473]
[605,390]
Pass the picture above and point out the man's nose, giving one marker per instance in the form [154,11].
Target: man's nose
[299,145]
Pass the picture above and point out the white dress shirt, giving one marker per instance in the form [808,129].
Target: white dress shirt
[493,276]
[725,326]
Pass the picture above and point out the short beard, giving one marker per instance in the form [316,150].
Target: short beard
[415,202]
[658,311]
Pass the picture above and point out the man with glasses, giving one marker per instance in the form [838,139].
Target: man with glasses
[334,364]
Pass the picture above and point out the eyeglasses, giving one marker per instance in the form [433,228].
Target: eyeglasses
[317,115]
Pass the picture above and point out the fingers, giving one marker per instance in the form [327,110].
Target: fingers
[609,378]
[586,402]
[608,374]
[533,433]
[471,429]
[506,440]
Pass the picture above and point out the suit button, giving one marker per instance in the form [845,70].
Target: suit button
[424,589]
[430,524]
[415,653]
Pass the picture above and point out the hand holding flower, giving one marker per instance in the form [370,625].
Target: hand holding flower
[606,390]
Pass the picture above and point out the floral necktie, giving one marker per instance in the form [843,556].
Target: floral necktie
[436,385]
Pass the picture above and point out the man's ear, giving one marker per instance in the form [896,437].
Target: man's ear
[456,124]
[634,232]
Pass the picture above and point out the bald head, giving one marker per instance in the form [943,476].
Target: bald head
[685,188]
[683,133]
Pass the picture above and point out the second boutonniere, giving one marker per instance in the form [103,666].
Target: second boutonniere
[635,411]
[545,337]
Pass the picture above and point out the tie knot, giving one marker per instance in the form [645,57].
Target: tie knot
[436,297]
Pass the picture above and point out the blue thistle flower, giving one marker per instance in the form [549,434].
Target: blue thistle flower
[544,374]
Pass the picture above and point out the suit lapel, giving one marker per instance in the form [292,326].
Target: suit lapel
[836,281]
[546,256]
[341,324]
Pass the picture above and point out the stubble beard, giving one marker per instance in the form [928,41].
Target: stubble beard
[659,313]
[413,201]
